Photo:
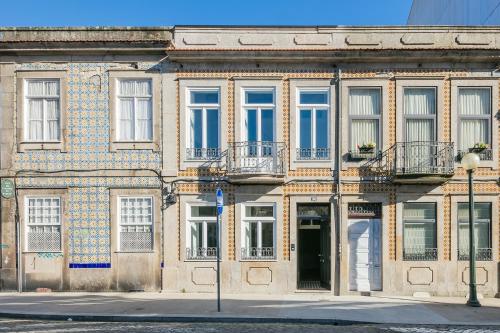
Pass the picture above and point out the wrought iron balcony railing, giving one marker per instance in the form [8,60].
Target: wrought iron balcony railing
[203,154]
[251,253]
[258,157]
[481,254]
[484,154]
[420,254]
[201,253]
[313,153]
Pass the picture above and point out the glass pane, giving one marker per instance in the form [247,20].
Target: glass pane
[203,211]
[197,128]
[420,130]
[126,119]
[305,129]
[267,234]
[51,88]
[252,125]
[259,97]
[211,235]
[196,235]
[212,128]
[482,211]
[364,101]
[267,130]
[35,88]
[143,87]
[419,101]
[322,129]
[127,87]
[253,235]
[419,236]
[364,132]
[259,211]
[474,101]
[473,131]
[205,97]
[482,235]
[419,211]
[313,97]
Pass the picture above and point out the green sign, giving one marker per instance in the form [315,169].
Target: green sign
[7,188]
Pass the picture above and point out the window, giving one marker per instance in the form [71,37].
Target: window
[42,98]
[419,107]
[474,120]
[482,228]
[258,231]
[135,111]
[364,117]
[136,223]
[313,125]
[204,125]
[43,224]
[419,231]
[201,232]
[258,111]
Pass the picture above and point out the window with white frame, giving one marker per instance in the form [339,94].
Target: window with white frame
[419,231]
[43,110]
[204,124]
[258,228]
[313,142]
[419,107]
[135,110]
[474,120]
[201,242]
[258,110]
[135,219]
[482,228]
[43,227]
[364,106]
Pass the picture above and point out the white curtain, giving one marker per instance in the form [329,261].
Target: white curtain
[127,87]
[363,132]
[364,101]
[51,88]
[474,102]
[35,121]
[126,119]
[419,101]
[143,88]
[52,116]
[144,120]
[35,88]
[419,130]
[473,131]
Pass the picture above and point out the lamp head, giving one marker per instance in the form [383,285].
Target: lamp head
[470,161]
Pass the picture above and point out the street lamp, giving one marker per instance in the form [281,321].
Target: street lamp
[470,162]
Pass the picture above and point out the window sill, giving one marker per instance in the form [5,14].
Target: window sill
[134,145]
[27,146]
[139,252]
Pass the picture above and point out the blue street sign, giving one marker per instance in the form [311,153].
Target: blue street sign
[220,200]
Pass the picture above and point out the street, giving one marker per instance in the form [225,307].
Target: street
[15,325]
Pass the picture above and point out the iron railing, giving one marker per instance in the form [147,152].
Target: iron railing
[203,153]
[258,157]
[481,254]
[420,254]
[313,153]
[257,253]
[484,154]
[201,253]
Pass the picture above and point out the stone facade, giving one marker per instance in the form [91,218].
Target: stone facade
[89,169]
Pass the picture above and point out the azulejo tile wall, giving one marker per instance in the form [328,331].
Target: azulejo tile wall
[88,140]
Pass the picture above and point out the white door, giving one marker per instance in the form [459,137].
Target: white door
[364,255]
[260,137]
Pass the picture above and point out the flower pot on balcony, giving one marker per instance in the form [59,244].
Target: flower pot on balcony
[366,150]
[477,149]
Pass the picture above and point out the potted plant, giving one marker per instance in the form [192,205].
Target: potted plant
[479,147]
[367,147]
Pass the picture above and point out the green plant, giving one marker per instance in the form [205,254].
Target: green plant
[367,146]
[481,145]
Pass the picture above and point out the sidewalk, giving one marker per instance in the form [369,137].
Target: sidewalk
[319,308]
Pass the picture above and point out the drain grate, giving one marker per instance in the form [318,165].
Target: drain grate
[310,285]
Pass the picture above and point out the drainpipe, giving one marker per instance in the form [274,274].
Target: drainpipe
[338,194]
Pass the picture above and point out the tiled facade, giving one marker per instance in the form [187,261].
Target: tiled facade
[90,174]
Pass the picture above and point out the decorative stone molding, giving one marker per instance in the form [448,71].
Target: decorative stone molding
[420,276]
[259,276]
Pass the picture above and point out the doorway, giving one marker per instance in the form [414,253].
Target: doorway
[314,255]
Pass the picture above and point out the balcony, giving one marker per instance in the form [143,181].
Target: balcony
[203,154]
[416,162]
[257,253]
[312,154]
[484,154]
[420,254]
[256,162]
[201,253]
[481,254]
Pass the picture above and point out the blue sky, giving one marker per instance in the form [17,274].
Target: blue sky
[191,12]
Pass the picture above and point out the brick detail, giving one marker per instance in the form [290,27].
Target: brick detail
[286,115]
[446,111]
[392,112]
[447,228]
[392,226]
[310,172]
[231,222]
[286,228]
[230,111]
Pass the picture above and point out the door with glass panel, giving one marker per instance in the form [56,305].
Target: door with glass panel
[313,125]
[419,153]
[258,131]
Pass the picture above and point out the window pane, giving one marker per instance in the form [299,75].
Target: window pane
[267,234]
[205,97]
[418,211]
[259,211]
[482,211]
[212,128]
[197,128]
[126,119]
[419,236]
[305,129]
[143,87]
[211,235]
[144,120]
[203,211]
[35,121]
[252,125]
[196,235]
[51,88]
[52,115]
[420,130]
[127,87]
[473,131]
[35,88]
[474,101]
[419,101]
[267,130]
[259,97]
[321,128]
[364,101]
[253,235]
[313,97]
[364,132]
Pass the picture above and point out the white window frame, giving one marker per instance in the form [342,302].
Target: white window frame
[44,98]
[135,98]
[119,222]
[487,117]
[313,108]
[420,221]
[28,224]
[245,221]
[433,117]
[259,107]
[205,220]
[376,117]
[476,221]
[190,106]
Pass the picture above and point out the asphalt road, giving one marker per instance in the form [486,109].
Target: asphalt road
[14,325]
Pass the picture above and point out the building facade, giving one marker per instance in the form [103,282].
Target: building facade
[337,149]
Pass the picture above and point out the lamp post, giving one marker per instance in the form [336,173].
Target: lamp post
[470,162]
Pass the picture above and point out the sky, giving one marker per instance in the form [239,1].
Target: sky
[19,13]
